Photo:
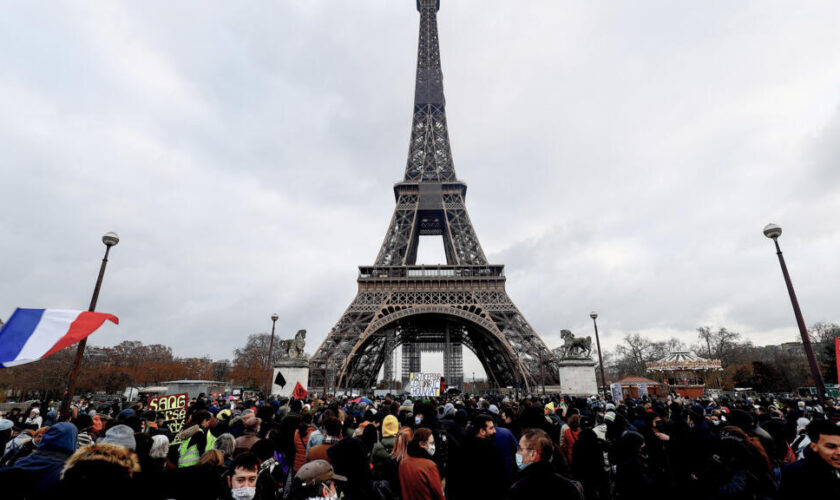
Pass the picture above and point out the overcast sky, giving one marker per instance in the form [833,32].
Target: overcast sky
[621,157]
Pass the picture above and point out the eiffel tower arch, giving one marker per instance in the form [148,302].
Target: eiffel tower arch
[443,307]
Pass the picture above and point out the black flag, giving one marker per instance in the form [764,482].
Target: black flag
[279,380]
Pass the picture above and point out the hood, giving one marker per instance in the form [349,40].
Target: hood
[59,437]
[188,432]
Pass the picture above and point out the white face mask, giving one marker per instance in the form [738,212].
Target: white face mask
[246,493]
[431,449]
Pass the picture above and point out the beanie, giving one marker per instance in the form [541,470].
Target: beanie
[121,435]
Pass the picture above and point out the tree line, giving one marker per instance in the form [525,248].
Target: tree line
[131,363]
[773,368]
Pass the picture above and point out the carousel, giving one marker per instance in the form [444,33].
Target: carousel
[686,374]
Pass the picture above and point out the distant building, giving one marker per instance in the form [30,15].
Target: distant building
[194,387]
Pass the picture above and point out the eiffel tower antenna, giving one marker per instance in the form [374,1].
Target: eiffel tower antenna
[431,308]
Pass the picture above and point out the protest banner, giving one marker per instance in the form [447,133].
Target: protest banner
[616,392]
[424,384]
[172,408]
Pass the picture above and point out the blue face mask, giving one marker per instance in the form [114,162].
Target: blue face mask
[519,463]
[417,420]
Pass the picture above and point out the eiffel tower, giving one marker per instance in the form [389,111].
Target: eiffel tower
[431,308]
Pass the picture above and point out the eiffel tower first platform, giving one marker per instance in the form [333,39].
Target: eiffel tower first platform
[431,308]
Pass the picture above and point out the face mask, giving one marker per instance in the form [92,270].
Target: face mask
[243,493]
[716,422]
[431,449]
[519,463]
[417,420]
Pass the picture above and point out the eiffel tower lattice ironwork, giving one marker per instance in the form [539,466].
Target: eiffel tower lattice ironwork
[461,303]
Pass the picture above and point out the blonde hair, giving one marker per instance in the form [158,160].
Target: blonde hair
[404,436]
[107,452]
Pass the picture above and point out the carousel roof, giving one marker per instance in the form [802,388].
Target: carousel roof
[681,361]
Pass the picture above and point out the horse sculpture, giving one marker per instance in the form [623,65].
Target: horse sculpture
[575,347]
[292,348]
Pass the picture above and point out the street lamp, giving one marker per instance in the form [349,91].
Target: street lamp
[773,232]
[594,316]
[274,318]
[109,239]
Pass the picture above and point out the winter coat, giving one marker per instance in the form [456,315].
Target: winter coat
[477,472]
[37,475]
[538,480]
[420,480]
[245,442]
[810,477]
[382,449]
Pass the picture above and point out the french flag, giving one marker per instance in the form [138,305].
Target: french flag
[33,334]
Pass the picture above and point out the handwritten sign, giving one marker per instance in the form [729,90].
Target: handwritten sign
[616,392]
[172,409]
[424,384]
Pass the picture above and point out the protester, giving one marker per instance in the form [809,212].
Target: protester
[419,477]
[332,431]
[37,475]
[195,438]
[537,475]
[108,466]
[818,474]
[316,479]
[249,436]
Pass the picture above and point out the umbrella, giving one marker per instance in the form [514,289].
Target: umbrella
[362,400]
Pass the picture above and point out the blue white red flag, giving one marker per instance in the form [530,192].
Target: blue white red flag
[33,334]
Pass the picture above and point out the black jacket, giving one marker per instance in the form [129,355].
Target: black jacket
[477,471]
[539,480]
[810,477]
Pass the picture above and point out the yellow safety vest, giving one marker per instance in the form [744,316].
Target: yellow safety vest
[189,455]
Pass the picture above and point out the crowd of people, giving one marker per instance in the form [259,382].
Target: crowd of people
[453,447]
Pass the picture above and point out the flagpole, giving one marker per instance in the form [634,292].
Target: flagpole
[270,364]
[109,239]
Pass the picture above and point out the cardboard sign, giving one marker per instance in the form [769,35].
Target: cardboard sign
[424,384]
[172,409]
[616,392]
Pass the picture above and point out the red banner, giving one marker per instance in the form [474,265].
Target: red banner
[172,408]
[299,392]
[837,355]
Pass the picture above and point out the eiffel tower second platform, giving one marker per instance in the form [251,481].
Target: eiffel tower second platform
[443,307]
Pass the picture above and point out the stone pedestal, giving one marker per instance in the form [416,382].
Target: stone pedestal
[577,377]
[294,371]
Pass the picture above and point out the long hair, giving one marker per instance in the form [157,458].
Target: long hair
[404,436]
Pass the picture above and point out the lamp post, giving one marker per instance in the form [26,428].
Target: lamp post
[773,232]
[109,239]
[594,317]
[270,353]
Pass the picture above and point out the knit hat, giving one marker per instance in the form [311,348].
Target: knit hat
[610,416]
[550,406]
[390,426]
[121,435]
[494,409]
